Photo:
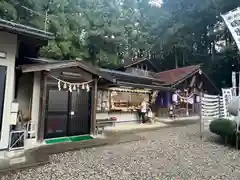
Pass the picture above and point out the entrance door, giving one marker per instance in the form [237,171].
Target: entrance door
[79,121]
[67,114]
[57,112]
[3,70]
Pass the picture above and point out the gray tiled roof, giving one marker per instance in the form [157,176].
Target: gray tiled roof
[16,28]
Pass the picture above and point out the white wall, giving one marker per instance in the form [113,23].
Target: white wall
[8,44]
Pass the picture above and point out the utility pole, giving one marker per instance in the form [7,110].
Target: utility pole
[46,20]
[39,14]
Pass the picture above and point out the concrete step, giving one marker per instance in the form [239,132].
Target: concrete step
[179,121]
[130,129]
[24,160]
[73,146]
[40,155]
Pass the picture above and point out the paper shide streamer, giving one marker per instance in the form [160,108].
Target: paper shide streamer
[72,86]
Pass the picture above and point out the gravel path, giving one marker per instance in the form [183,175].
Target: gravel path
[171,153]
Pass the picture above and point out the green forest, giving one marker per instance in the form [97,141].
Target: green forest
[173,32]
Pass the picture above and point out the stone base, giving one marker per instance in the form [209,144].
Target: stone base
[23,160]
[179,121]
[40,155]
[133,129]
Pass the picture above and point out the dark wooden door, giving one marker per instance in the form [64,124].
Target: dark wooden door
[67,114]
[57,113]
[3,70]
[79,121]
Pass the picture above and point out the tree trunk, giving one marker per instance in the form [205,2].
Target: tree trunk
[213,50]
[176,58]
[183,54]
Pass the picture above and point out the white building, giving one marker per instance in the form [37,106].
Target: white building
[16,43]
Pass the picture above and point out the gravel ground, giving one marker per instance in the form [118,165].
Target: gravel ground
[170,153]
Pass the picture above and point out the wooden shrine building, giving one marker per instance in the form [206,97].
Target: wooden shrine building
[184,85]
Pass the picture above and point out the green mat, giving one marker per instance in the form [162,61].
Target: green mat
[80,138]
[68,139]
[57,140]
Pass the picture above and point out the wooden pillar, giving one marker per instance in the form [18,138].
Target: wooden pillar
[194,101]
[187,96]
[193,105]
[200,116]
[36,94]
[168,98]
[94,105]
[42,109]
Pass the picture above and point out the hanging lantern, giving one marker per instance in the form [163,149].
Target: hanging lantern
[74,87]
[59,85]
[197,99]
[200,71]
[78,88]
[83,86]
[70,88]
[174,98]
[87,87]
[65,86]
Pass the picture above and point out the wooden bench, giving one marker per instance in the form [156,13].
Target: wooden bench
[102,123]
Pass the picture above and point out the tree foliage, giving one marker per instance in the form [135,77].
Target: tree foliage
[175,33]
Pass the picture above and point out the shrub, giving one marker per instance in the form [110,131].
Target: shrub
[223,127]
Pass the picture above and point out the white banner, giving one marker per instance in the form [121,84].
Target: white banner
[227,97]
[234,83]
[239,83]
[211,108]
[238,117]
[232,20]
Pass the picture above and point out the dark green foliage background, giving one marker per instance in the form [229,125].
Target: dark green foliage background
[181,32]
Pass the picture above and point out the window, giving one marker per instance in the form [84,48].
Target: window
[3,54]
[3,70]
[119,100]
[103,101]
[127,101]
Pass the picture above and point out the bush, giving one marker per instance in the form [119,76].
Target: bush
[223,127]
